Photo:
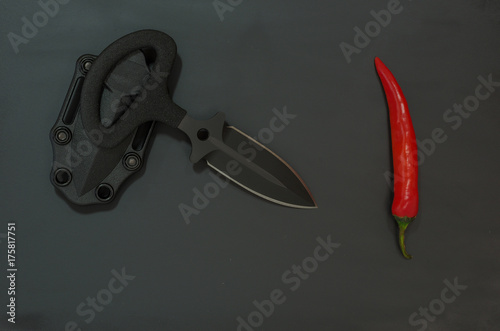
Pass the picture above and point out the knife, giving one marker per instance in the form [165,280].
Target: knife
[124,89]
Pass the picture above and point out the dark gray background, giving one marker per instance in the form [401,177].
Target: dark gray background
[264,55]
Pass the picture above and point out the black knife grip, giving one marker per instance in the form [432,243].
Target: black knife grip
[154,102]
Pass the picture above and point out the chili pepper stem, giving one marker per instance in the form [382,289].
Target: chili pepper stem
[403,223]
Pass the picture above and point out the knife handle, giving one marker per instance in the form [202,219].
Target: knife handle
[154,103]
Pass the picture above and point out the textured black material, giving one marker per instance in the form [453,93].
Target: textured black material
[155,103]
[121,91]
[82,171]
[213,129]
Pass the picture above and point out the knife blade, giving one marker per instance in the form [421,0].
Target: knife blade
[254,167]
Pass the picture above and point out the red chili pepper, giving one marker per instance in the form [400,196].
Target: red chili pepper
[404,154]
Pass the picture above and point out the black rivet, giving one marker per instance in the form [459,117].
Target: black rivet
[62,177]
[104,192]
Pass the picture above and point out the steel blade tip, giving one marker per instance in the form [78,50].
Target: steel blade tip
[307,204]
[255,168]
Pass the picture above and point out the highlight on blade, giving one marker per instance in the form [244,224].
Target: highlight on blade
[254,167]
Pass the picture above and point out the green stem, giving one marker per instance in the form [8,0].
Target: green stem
[403,223]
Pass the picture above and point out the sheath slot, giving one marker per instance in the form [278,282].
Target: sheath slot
[141,136]
[73,103]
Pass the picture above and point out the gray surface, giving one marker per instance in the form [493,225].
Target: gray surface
[204,275]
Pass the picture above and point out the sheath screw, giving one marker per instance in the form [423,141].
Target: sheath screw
[62,177]
[85,64]
[132,161]
[104,192]
[62,135]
